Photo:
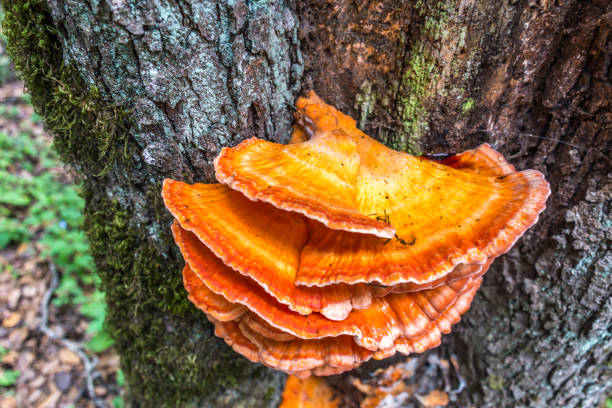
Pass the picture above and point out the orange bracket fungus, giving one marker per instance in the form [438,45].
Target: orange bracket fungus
[312,392]
[316,256]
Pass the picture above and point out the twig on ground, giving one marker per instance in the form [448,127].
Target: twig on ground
[461,383]
[88,363]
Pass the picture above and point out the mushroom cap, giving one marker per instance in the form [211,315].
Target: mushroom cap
[208,301]
[326,166]
[260,326]
[376,328]
[324,177]
[267,245]
[461,271]
[230,332]
[301,354]
[280,357]
[443,217]
[463,209]
[259,241]
[482,160]
[331,355]
[452,315]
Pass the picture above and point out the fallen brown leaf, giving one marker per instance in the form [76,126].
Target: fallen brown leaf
[8,402]
[22,248]
[435,398]
[17,337]
[10,358]
[69,357]
[49,401]
[12,319]
[29,291]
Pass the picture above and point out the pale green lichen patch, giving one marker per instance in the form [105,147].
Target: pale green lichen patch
[468,105]
[421,75]
[365,101]
[415,90]
[496,382]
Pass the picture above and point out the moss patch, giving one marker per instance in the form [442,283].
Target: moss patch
[415,90]
[86,128]
[169,360]
[365,101]
[420,76]
[468,105]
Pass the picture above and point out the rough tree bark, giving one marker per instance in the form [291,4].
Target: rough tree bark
[136,91]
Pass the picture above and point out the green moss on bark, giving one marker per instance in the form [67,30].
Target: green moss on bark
[86,129]
[419,82]
[415,90]
[170,360]
[168,351]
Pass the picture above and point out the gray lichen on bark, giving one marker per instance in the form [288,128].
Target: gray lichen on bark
[196,75]
[543,320]
[548,340]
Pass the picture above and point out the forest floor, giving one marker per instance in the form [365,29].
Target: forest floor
[54,351]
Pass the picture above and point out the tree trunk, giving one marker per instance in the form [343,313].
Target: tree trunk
[136,91]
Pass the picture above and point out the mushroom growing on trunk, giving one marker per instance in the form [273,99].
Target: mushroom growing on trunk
[316,256]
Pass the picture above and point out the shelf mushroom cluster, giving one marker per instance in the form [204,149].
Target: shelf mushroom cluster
[316,256]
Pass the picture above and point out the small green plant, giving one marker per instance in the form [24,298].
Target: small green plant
[39,204]
[94,308]
[118,402]
[8,377]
